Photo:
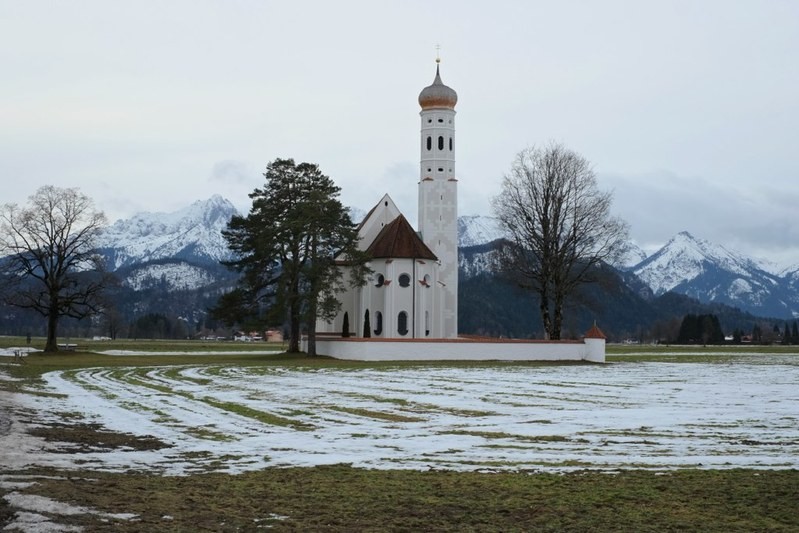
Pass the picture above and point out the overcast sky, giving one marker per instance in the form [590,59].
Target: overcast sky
[688,110]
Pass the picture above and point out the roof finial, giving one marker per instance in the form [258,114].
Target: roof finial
[438,54]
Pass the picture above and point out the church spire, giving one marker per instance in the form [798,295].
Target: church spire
[438,197]
[438,95]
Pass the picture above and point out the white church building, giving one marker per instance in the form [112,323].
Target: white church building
[409,307]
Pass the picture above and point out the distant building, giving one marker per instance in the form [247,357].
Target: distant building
[408,309]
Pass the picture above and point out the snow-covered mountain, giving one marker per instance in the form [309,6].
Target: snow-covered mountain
[474,230]
[170,275]
[182,250]
[632,256]
[713,273]
[192,234]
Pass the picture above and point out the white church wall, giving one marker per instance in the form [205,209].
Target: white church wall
[383,213]
[591,350]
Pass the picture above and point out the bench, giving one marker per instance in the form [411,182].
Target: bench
[68,347]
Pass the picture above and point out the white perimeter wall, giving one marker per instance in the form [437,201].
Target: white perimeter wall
[460,350]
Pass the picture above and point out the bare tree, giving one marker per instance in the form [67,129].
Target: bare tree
[558,227]
[50,265]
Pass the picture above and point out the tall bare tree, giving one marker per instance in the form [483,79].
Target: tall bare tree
[50,265]
[558,227]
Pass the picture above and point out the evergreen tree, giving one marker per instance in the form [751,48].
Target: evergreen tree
[795,333]
[689,330]
[786,336]
[757,333]
[345,327]
[286,250]
[704,329]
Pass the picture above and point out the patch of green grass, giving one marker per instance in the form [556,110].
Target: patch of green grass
[341,498]
[502,435]
[260,416]
[208,433]
[377,415]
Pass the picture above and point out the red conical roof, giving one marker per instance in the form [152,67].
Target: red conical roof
[595,333]
[398,240]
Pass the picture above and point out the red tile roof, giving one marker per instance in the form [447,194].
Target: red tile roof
[398,239]
[595,333]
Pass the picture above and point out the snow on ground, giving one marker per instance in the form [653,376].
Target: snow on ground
[208,352]
[554,418]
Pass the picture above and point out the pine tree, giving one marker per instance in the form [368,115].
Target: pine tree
[345,327]
[286,250]
[757,333]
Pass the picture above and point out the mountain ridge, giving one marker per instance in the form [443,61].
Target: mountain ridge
[191,239]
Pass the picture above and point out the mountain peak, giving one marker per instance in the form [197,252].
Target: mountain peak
[713,273]
[192,233]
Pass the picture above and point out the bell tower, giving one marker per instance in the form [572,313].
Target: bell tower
[438,198]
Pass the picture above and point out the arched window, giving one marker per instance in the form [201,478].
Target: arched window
[380,280]
[450,144]
[404,280]
[426,323]
[440,142]
[367,326]
[402,323]
[378,323]
[429,143]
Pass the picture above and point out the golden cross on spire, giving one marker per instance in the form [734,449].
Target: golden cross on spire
[438,53]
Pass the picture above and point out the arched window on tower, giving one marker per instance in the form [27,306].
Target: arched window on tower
[429,143]
[450,144]
[402,323]
[440,142]
[378,323]
[427,323]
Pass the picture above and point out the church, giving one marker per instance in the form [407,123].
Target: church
[413,290]
[408,309]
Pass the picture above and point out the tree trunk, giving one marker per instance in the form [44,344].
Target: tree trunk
[52,327]
[294,327]
[558,320]
[294,333]
[312,329]
[545,318]
[295,316]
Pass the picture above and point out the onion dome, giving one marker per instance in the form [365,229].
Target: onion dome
[438,95]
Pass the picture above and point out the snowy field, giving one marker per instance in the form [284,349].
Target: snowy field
[552,418]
